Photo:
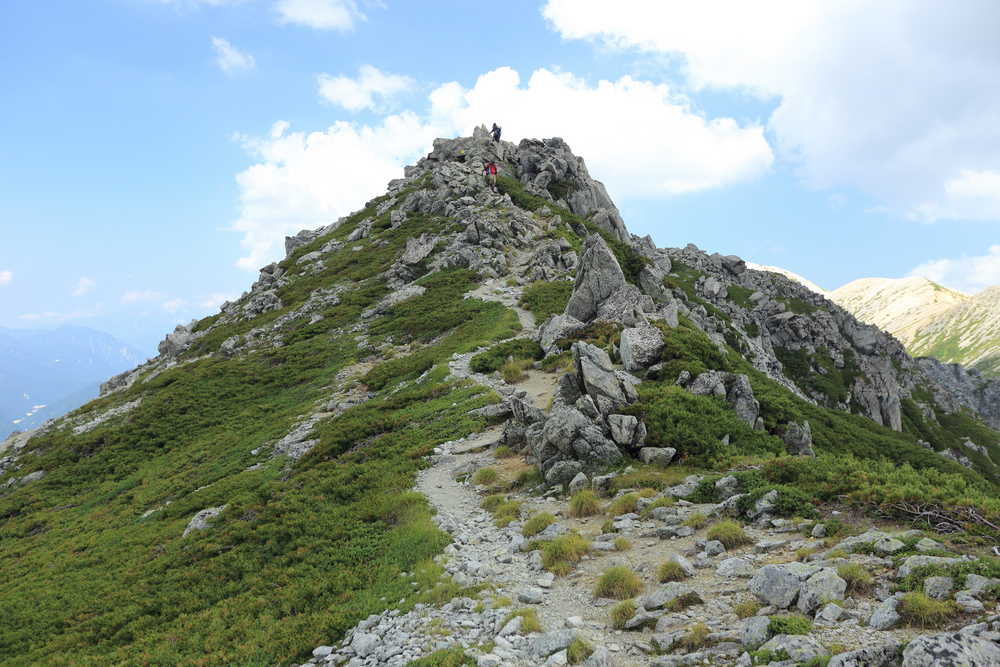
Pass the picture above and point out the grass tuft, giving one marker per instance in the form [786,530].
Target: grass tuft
[584,503]
[618,582]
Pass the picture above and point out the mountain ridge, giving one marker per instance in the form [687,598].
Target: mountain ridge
[257,482]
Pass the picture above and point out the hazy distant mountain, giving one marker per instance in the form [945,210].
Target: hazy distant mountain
[44,373]
[899,306]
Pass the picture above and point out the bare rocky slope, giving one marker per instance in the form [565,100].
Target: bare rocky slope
[244,465]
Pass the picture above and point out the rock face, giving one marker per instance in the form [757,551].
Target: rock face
[597,278]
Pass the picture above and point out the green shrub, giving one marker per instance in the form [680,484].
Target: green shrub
[622,613]
[730,533]
[618,582]
[513,372]
[697,520]
[670,571]
[496,357]
[546,298]
[584,503]
[789,625]
[452,657]
[607,526]
[537,524]
[622,544]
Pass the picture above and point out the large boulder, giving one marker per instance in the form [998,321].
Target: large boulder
[598,275]
[798,439]
[951,649]
[596,375]
[642,347]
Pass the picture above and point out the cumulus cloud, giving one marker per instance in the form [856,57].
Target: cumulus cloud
[968,274]
[972,195]
[135,296]
[360,93]
[320,14]
[230,58]
[6,277]
[172,306]
[645,138]
[896,98]
[83,286]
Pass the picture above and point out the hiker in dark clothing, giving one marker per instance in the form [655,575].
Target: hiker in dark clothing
[495,132]
[491,174]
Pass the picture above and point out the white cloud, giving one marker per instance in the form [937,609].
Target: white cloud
[897,98]
[172,306]
[973,195]
[6,277]
[646,140]
[83,286]
[358,94]
[968,274]
[134,296]
[230,58]
[320,14]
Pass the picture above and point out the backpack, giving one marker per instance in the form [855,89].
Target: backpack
[492,168]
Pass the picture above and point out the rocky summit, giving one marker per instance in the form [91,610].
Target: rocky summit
[481,423]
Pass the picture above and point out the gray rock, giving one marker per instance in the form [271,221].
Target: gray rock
[938,587]
[714,548]
[696,658]
[531,596]
[886,615]
[800,648]
[579,483]
[740,396]
[968,603]
[416,250]
[685,564]
[365,644]
[595,372]
[887,655]
[666,594]
[754,632]
[555,327]
[775,585]
[661,456]
[598,275]
[550,642]
[951,649]
[798,439]
[32,477]
[641,347]
[735,568]
[200,520]
[726,488]
[822,587]
[627,431]
[832,613]
[914,562]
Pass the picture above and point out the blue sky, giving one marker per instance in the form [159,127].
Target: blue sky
[154,153]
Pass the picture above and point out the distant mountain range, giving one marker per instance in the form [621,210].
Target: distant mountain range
[929,319]
[45,373]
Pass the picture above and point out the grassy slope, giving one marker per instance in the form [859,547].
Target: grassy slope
[301,552]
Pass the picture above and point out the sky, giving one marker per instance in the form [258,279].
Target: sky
[155,153]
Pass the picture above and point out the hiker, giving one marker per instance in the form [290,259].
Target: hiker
[496,133]
[491,174]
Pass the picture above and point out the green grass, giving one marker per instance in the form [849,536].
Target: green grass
[537,524]
[621,613]
[546,298]
[618,582]
[561,554]
[530,622]
[670,571]
[496,357]
[730,533]
[789,625]
[584,503]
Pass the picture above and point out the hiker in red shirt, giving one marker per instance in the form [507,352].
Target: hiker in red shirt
[491,174]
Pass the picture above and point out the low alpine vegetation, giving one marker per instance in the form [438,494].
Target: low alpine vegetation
[537,524]
[618,582]
[584,503]
[670,571]
[730,533]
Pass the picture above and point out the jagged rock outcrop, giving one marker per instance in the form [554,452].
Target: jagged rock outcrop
[967,386]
